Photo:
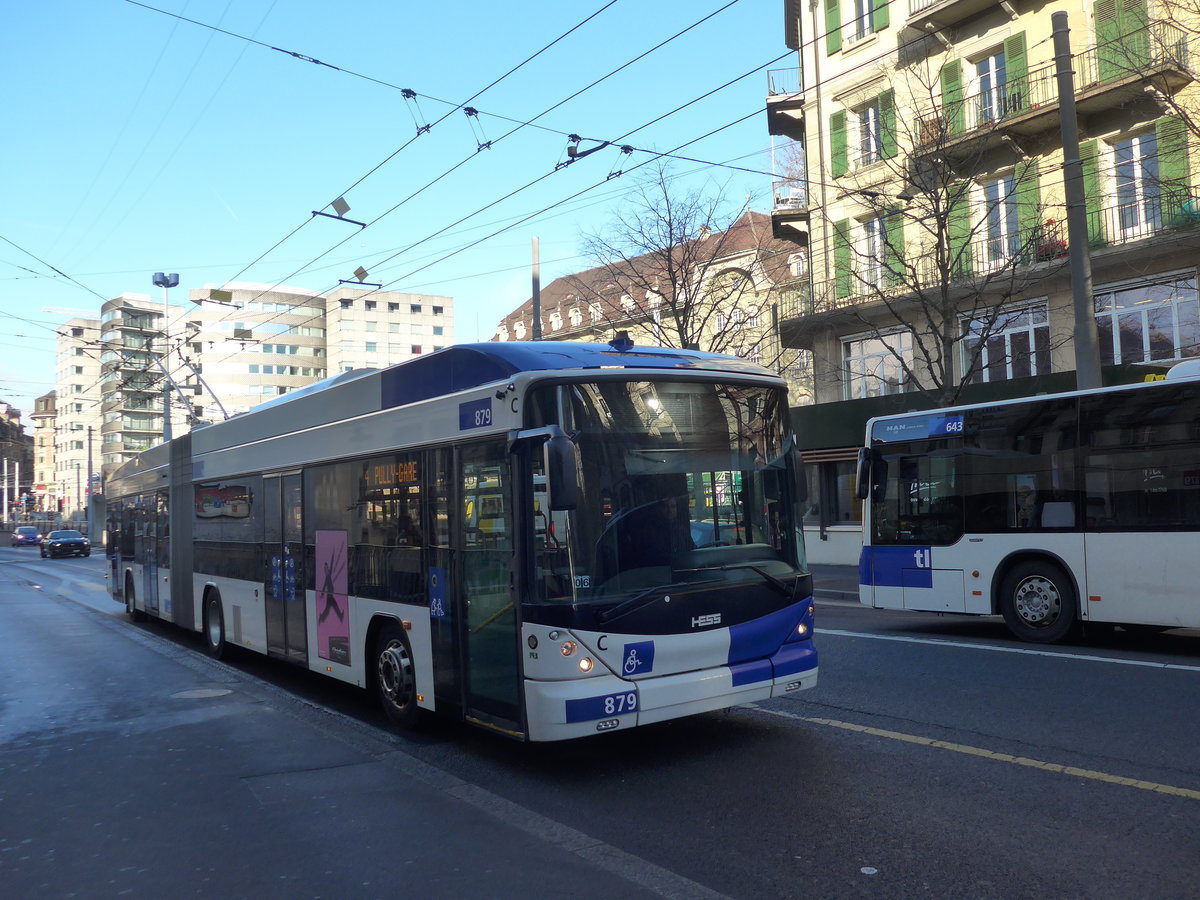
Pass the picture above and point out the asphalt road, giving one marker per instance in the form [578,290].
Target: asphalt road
[937,757]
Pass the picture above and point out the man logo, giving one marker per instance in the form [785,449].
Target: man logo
[705,621]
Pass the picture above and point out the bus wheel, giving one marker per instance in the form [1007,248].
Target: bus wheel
[135,614]
[1038,602]
[214,625]
[395,681]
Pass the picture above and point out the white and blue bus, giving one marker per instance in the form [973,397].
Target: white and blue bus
[545,539]
[1051,511]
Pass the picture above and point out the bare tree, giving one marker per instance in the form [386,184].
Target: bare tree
[948,223]
[688,269]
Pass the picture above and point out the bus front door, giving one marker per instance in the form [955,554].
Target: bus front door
[490,638]
[287,632]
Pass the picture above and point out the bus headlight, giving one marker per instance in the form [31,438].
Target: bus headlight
[585,664]
[802,629]
[567,648]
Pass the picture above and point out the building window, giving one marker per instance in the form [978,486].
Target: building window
[414,307]
[575,315]
[416,349]
[870,136]
[437,310]
[371,326]
[1149,322]
[369,304]
[438,329]
[863,24]
[1000,219]
[991,87]
[1138,185]
[556,321]
[871,365]
[393,307]
[347,304]
[371,346]
[1015,345]
[797,264]
[595,313]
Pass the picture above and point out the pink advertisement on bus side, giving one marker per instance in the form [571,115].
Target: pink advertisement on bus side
[333,608]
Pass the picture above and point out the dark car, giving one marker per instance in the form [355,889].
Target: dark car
[26,534]
[66,543]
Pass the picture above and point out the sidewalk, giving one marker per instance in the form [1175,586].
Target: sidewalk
[837,583]
[134,765]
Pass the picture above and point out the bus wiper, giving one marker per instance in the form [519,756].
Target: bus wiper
[766,576]
[637,601]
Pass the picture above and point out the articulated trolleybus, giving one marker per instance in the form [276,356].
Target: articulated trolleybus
[1050,510]
[546,539]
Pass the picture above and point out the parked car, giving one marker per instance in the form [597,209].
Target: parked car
[66,543]
[26,534]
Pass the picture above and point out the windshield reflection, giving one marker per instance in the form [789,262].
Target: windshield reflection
[681,483]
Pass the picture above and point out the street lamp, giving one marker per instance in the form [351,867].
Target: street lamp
[166,282]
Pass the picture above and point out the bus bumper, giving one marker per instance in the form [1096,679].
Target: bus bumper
[557,710]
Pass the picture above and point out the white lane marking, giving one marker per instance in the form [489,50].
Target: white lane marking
[1023,650]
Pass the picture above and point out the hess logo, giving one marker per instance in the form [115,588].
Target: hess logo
[706,620]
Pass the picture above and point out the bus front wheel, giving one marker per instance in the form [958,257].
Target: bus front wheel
[395,680]
[1038,602]
[214,625]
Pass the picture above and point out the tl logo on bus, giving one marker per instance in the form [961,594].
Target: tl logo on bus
[923,559]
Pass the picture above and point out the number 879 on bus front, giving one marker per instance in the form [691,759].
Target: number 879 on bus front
[589,708]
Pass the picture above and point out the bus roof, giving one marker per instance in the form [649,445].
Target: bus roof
[444,373]
[1186,373]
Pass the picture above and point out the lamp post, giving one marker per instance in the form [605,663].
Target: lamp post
[166,281]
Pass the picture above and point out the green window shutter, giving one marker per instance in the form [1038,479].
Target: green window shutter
[833,26]
[893,233]
[1172,135]
[952,96]
[839,152]
[842,278]
[880,17]
[1016,91]
[958,230]
[887,123]
[1108,33]
[1089,159]
[1029,203]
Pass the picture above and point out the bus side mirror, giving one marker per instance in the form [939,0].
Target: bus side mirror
[562,481]
[862,473]
[870,475]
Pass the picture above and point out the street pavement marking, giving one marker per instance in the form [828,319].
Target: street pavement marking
[970,646]
[968,750]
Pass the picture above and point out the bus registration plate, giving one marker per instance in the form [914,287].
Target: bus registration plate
[590,708]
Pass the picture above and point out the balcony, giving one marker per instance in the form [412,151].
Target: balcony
[1006,264]
[785,103]
[789,212]
[944,13]
[1106,76]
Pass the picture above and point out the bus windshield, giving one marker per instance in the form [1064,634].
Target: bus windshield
[681,483]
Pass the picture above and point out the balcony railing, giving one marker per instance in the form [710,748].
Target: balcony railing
[790,196]
[784,81]
[999,258]
[1157,48]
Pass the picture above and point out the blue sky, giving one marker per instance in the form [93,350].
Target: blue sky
[139,142]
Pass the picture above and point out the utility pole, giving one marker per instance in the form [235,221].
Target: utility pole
[166,282]
[537,292]
[1087,340]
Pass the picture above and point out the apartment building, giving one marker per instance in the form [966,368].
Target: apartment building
[77,414]
[929,193]
[45,482]
[374,329]
[719,293]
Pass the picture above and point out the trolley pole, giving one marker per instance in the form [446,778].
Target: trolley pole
[1087,341]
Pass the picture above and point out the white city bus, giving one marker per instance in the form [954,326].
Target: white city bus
[1051,510]
[501,533]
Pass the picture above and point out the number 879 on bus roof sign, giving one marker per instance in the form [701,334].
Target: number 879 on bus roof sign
[475,414]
